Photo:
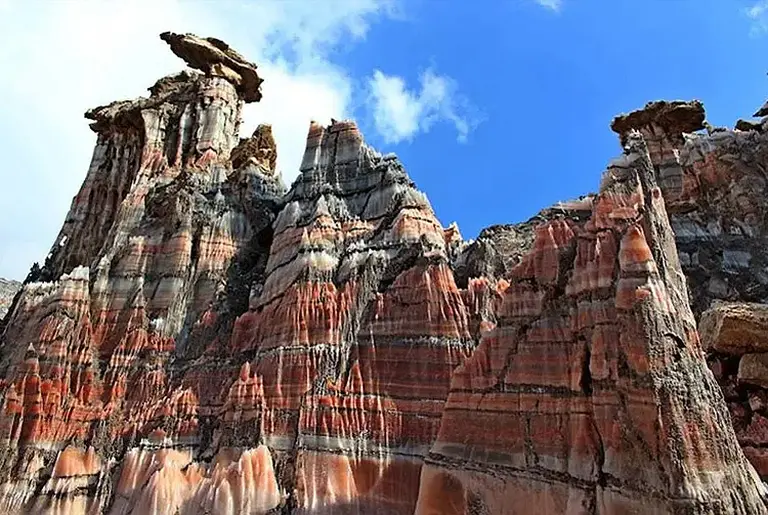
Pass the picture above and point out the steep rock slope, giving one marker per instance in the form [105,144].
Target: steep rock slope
[592,395]
[194,350]
[201,341]
[163,234]
[715,186]
[8,291]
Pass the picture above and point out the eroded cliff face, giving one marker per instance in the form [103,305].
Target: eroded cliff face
[200,340]
[715,188]
[591,394]
[8,290]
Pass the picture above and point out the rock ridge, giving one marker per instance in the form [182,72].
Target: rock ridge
[202,340]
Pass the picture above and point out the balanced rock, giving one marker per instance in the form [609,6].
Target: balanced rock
[215,58]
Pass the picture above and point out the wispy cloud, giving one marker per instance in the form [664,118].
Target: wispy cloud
[63,58]
[554,5]
[399,114]
[758,13]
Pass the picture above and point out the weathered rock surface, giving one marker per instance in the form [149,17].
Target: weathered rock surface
[8,291]
[715,186]
[591,394]
[115,356]
[736,336]
[736,329]
[753,369]
[199,340]
[215,58]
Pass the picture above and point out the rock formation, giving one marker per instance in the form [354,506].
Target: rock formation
[200,340]
[715,186]
[591,394]
[8,290]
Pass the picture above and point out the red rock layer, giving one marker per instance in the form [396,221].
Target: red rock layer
[341,365]
[715,189]
[356,330]
[218,346]
[88,359]
[592,395]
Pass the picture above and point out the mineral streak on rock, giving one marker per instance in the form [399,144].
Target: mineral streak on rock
[591,395]
[356,330]
[199,340]
[120,340]
[715,186]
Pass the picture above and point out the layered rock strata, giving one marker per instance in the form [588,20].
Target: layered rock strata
[715,186]
[113,350]
[199,340]
[591,394]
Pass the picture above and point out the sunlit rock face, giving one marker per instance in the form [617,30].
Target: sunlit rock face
[591,394]
[715,187]
[200,340]
[8,291]
[115,356]
[356,330]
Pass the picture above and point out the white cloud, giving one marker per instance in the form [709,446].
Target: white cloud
[757,9]
[62,58]
[400,114]
[758,13]
[555,5]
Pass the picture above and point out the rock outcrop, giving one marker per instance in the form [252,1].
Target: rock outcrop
[200,340]
[715,186]
[215,58]
[8,291]
[591,394]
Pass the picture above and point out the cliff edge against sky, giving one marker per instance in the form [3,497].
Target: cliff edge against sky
[201,339]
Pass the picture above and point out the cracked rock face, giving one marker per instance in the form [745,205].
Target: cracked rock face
[200,340]
[8,290]
[715,187]
[593,372]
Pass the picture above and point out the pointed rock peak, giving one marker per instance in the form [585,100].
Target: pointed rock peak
[264,130]
[321,208]
[245,371]
[763,111]
[452,233]
[315,128]
[259,148]
[677,116]
[341,142]
[215,58]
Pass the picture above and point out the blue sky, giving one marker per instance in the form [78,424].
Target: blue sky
[498,108]
[550,81]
